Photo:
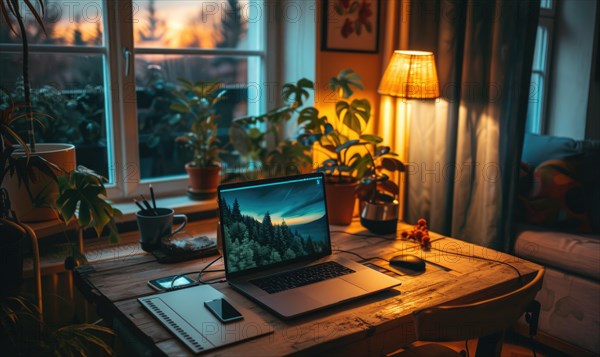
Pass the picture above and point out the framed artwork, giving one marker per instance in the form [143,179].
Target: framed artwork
[350,25]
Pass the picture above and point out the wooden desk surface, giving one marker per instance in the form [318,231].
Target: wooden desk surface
[374,325]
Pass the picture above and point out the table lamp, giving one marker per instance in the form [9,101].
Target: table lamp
[409,75]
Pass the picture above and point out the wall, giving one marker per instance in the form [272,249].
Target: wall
[574,36]
[330,63]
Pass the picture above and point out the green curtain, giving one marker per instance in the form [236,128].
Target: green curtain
[465,147]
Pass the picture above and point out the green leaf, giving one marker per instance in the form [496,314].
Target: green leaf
[373,139]
[352,122]
[345,80]
[390,186]
[346,145]
[68,208]
[329,148]
[309,114]
[84,214]
[354,7]
[392,164]
[340,107]
[179,107]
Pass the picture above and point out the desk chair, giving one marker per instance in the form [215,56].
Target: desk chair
[485,320]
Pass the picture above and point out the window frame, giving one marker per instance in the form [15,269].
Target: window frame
[122,140]
[547,21]
[126,164]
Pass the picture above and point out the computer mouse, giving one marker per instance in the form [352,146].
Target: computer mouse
[408,261]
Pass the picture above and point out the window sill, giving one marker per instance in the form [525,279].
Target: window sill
[196,210]
[181,205]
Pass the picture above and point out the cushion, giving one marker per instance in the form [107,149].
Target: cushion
[540,148]
[557,198]
[578,254]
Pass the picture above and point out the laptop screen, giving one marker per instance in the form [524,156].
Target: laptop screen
[272,222]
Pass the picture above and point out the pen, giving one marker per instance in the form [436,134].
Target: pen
[147,205]
[152,197]
[138,204]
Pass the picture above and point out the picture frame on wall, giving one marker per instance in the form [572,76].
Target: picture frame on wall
[350,25]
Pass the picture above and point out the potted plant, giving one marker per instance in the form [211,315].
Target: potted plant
[377,194]
[81,195]
[196,101]
[260,142]
[340,140]
[12,231]
[61,155]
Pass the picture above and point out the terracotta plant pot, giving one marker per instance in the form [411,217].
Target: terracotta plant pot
[44,190]
[203,181]
[340,199]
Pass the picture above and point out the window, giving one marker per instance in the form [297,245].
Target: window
[106,71]
[540,70]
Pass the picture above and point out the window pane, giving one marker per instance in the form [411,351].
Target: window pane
[546,4]
[540,53]
[195,24]
[156,78]
[69,88]
[535,105]
[67,22]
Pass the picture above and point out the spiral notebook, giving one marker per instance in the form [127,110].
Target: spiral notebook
[183,313]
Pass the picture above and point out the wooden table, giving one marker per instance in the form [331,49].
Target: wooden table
[374,325]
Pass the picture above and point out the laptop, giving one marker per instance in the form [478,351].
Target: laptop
[277,247]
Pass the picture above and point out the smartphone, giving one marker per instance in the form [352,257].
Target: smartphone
[166,282]
[223,310]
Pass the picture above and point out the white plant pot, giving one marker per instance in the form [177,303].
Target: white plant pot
[44,190]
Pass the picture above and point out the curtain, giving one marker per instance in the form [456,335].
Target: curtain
[464,148]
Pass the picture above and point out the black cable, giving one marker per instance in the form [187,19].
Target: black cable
[349,252]
[362,259]
[443,251]
[197,281]
[486,259]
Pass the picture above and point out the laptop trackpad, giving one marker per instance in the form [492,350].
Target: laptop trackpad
[334,290]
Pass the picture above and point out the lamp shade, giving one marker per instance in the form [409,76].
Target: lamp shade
[410,75]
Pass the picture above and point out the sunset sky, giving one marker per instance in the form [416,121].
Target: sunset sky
[181,23]
[298,202]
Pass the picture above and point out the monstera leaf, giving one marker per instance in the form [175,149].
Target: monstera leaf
[344,82]
[355,115]
[81,195]
[297,92]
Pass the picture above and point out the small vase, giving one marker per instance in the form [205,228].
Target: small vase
[203,181]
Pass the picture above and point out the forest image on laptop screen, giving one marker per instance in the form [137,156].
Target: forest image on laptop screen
[270,223]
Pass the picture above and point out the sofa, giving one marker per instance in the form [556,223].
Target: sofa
[558,226]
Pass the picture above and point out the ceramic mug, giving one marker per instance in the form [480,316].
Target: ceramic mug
[153,227]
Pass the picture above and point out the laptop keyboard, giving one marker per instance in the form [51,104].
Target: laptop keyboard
[300,277]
